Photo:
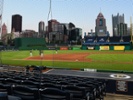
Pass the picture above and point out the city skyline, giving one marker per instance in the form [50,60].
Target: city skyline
[82,13]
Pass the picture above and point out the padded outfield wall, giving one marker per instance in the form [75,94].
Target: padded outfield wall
[109,46]
[30,43]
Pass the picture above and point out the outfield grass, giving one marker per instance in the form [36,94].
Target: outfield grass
[103,60]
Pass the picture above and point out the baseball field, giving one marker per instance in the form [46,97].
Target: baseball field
[75,59]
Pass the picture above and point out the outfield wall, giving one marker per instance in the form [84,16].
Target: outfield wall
[40,44]
[115,47]
[107,47]
[30,43]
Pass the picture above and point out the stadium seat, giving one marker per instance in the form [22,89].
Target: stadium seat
[38,86]
[50,85]
[102,84]
[34,79]
[90,39]
[77,92]
[10,97]
[126,38]
[54,94]
[102,39]
[30,84]
[26,93]
[73,82]
[19,77]
[6,88]
[115,39]
[89,88]
[5,96]
[11,81]
[62,83]
[98,88]
[48,81]
[1,80]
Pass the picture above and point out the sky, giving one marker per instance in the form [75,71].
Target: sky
[82,13]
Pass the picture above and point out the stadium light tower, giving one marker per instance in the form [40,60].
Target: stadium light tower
[1,12]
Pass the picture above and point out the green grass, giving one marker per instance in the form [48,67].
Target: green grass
[112,57]
[102,60]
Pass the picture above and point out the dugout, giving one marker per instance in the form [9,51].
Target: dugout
[30,43]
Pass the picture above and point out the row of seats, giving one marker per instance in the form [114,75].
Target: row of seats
[108,39]
[37,86]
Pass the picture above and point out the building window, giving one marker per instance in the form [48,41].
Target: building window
[101,31]
[101,22]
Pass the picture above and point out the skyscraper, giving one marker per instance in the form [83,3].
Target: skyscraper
[116,20]
[51,24]
[101,28]
[4,29]
[4,33]
[122,29]
[16,23]
[41,28]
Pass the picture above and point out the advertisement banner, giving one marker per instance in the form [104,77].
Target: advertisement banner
[63,48]
[90,70]
[90,48]
[51,48]
[104,47]
[119,47]
[76,48]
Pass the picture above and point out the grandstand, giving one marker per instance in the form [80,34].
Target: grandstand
[38,83]
[35,85]
[126,38]
[96,42]
[102,39]
[90,39]
[114,39]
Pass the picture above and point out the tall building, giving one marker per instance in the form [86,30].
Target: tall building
[51,28]
[4,33]
[4,29]
[101,28]
[116,20]
[58,32]
[28,33]
[75,35]
[122,29]
[41,28]
[51,24]
[16,23]
[71,26]
[91,33]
